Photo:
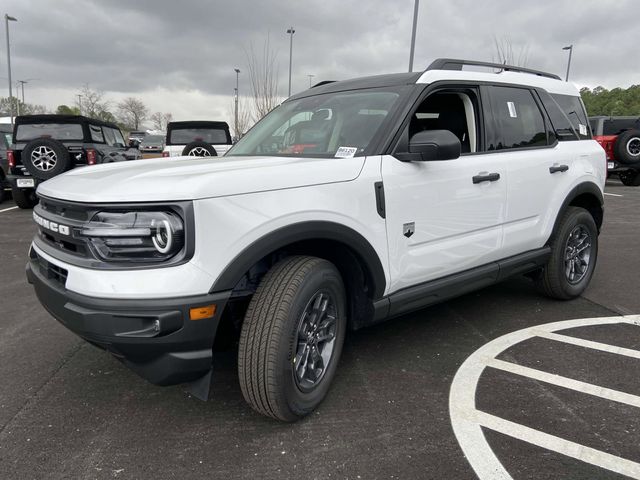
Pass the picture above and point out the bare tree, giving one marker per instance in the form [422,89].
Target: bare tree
[263,77]
[506,53]
[244,117]
[161,120]
[133,112]
[91,103]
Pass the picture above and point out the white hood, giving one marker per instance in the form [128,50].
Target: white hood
[189,178]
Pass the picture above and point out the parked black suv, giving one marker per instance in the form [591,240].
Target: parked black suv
[5,141]
[47,145]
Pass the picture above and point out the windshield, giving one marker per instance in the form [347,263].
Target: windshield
[340,124]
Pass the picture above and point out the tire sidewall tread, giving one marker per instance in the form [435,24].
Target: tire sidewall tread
[268,339]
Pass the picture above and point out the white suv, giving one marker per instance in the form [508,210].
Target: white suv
[198,138]
[350,203]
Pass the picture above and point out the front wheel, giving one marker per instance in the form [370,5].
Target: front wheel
[292,338]
[574,251]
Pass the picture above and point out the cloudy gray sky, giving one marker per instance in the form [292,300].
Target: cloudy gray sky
[179,56]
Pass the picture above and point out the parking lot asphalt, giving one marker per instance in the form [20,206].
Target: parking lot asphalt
[69,410]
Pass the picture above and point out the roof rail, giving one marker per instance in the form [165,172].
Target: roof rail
[453,64]
[324,82]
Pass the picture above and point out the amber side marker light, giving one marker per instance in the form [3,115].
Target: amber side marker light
[200,313]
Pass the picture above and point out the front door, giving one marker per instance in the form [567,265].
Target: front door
[440,219]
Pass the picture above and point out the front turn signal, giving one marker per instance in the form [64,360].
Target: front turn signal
[200,313]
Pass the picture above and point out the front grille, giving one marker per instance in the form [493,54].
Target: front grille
[49,270]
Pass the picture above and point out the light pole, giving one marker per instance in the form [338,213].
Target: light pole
[22,82]
[570,48]
[413,34]
[8,19]
[310,77]
[290,31]
[237,70]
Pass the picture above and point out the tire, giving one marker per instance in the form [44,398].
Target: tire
[45,158]
[630,178]
[199,149]
[278,331]
[627,147]
[2,192]
[555,280]
[25,198]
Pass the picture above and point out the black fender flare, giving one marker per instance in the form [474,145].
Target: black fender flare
[580,189]
[297,232]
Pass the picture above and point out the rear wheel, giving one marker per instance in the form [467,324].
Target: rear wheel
[574,251]
[24,197]
[292,338]
[630,178]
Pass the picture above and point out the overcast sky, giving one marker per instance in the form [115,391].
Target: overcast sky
[179,56]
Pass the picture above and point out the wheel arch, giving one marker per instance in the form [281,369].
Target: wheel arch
[586,195]
[351,253]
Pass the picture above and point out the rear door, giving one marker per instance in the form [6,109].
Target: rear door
[439,221]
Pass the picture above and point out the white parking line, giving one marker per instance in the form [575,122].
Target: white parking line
[7,209]
[560,445]
[467,421]
[613,194]
[588,344]
[565,382]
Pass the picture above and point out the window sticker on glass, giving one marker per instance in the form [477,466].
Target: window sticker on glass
[583,130]
[512,110]
[346,152]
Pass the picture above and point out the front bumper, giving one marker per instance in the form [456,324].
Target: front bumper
[155,338]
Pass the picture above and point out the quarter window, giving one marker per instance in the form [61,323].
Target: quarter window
[96,133]
[574,110]
[519,121]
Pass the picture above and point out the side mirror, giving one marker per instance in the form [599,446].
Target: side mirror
[430,145]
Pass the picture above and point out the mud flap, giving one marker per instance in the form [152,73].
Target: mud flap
[200,388]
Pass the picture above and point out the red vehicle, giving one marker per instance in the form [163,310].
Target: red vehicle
[620,138]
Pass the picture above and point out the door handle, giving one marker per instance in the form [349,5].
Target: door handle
[558,168]
[486,177]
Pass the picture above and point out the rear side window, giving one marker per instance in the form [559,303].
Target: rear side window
[519,121]
[96,134]
[214,136]
[573,109]
[616,126]
[57,131]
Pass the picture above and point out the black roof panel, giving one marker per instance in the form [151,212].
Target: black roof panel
[53,118]
[388,80]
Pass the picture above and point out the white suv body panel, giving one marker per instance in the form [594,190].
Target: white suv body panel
[192,178]
[228,224]
[458,224]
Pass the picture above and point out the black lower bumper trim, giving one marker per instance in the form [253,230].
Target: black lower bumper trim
[153,337]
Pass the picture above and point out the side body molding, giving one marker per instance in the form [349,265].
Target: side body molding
[305,231]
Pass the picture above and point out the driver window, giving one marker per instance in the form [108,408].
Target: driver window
[453,111]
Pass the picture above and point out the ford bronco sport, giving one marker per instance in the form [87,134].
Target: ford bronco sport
[351,203]
[47,145]
[620,138]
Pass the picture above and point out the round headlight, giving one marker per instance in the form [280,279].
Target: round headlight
[163,238]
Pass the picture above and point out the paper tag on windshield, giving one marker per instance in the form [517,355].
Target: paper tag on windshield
[512,110]
[346,152]
[583,130]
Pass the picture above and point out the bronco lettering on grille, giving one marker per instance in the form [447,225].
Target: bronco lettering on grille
[49,225]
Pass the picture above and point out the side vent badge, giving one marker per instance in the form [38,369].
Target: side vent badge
[408,229]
